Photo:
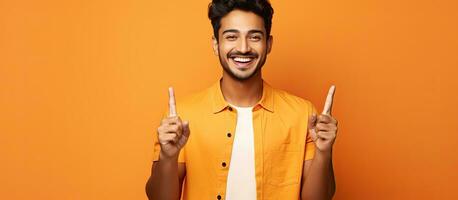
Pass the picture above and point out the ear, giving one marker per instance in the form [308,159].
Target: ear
[270,41]
[215,46]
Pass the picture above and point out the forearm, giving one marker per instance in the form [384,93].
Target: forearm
[319,182]
[164,181]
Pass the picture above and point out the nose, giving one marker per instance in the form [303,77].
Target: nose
[243,46]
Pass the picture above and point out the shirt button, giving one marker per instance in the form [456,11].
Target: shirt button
[229,134]
[218,197]
[223,164]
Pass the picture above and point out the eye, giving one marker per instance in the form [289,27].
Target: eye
[255,37]
[231,37]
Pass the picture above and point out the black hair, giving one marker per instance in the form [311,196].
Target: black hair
[217,9]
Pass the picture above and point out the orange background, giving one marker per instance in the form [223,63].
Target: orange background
[83,84]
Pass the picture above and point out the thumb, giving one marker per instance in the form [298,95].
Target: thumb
[311,127]
[184,137]
[312,121]
[186,130]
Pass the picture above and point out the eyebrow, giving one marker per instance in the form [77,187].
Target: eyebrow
[237,31]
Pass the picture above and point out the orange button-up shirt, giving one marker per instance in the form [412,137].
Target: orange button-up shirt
[281,143]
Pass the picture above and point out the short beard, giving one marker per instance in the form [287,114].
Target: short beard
[226,68]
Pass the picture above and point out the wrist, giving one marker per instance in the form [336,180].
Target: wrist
[164,158]
[327,154]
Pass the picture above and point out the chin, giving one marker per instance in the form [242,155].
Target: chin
[245,75]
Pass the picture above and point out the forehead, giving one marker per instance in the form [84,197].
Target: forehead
[242,21]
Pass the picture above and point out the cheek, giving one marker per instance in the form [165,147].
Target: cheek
[259,48]
[224,50]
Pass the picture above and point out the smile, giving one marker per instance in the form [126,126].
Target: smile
[242,62]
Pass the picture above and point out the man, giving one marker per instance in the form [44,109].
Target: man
[249,141]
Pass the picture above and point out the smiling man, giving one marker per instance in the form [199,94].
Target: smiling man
[242,139]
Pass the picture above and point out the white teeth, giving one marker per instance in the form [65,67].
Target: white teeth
[239,59]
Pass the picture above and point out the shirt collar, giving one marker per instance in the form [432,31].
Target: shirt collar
[219,103]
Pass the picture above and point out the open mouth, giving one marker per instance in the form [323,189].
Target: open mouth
[242,62]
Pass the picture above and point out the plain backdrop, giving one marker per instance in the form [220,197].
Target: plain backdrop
[83,85]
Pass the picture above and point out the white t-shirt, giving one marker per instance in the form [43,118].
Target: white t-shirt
[241,180]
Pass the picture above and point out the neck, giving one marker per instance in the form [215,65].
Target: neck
[244,93]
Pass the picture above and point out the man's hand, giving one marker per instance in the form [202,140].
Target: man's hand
[323,129]
[172,133]
[167,175]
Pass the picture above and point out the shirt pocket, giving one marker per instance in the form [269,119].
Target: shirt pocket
[285,167]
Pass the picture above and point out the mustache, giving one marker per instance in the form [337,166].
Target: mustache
[240,54]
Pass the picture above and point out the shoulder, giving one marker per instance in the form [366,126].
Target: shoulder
[197,101]
[291,109]
[288,101]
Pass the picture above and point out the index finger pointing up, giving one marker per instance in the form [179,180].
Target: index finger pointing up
[172,106]
[328,103]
